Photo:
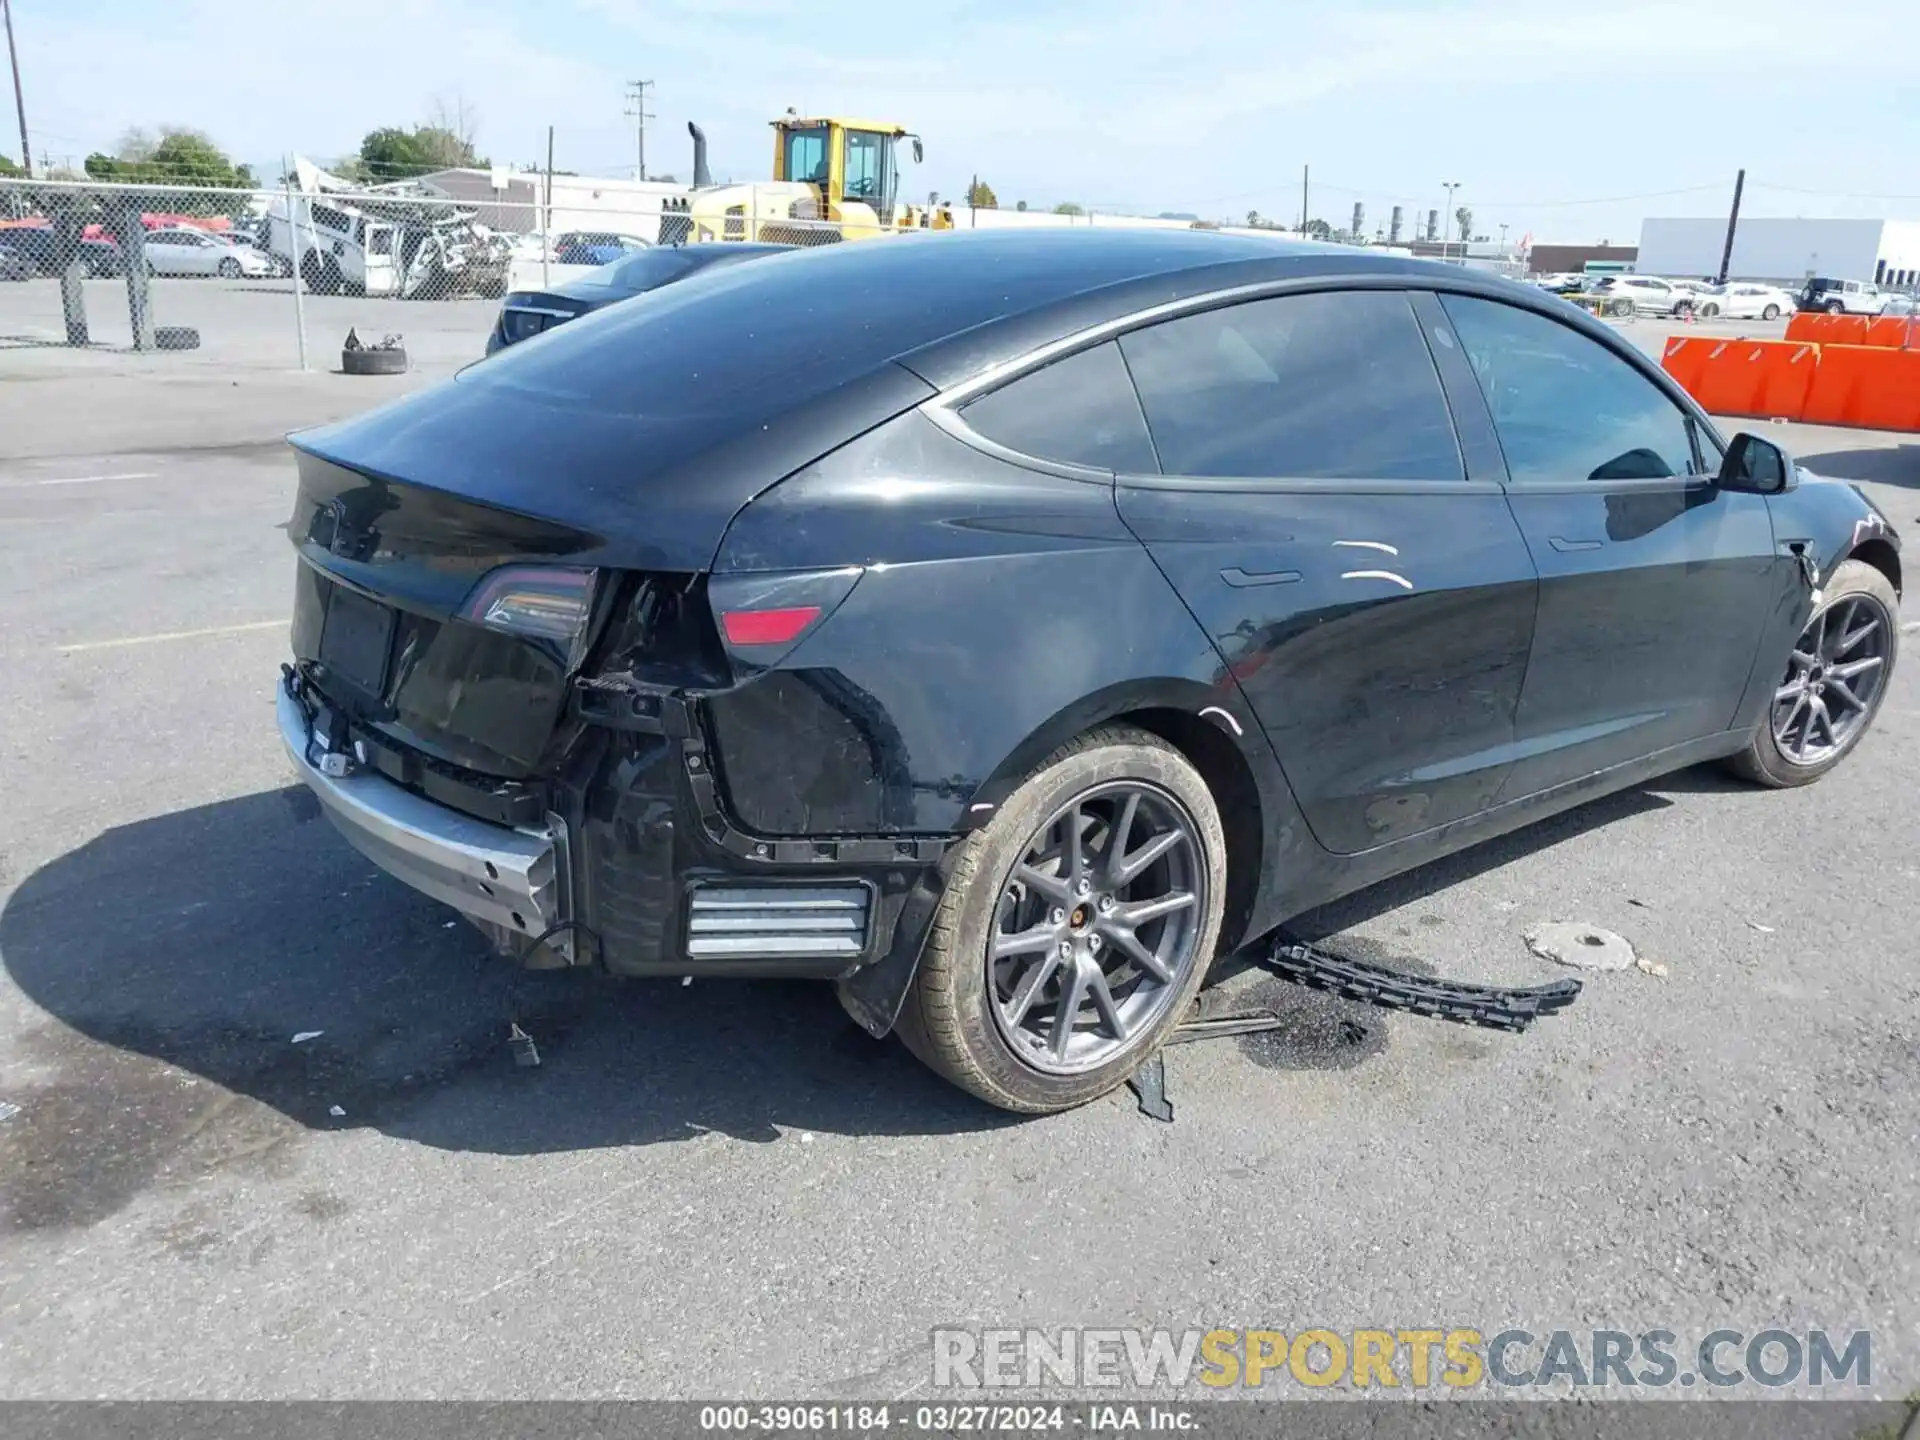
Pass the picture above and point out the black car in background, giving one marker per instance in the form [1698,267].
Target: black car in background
[526,313]
[13,265]
[39,246]
[1003,624]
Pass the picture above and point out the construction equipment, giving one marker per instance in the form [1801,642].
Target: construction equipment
[834,179]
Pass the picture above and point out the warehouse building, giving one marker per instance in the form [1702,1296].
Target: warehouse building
[1788,252]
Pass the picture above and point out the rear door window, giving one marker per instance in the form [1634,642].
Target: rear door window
[1080,410]
[1326,386]
[1565,407]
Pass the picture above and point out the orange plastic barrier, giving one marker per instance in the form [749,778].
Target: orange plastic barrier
[1810,325]
[1767,378]
[1824,329]
[1892,331]
[1867,386]
[1685,357]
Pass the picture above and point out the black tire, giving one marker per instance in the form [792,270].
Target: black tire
[949,1018]
[1834,307]
[1621,309]
[229,269]
[1764,761]
[373,362]
[1772,312]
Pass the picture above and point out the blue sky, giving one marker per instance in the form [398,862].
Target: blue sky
[1570,122]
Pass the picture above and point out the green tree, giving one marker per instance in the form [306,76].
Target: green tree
[1020,205]
[391,153]
[1317,230]
[980,195]
[1464,215]
[1068,207]
[186,157]
[7,167]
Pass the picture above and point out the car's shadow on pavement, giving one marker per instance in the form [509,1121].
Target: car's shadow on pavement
[208,939]
[1893,465]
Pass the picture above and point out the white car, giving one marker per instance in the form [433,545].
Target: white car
[1751,302]
[1623,295]
[183,250]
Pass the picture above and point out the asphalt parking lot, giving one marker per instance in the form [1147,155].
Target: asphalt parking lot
[726,1190]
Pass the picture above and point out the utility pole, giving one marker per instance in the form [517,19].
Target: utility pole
[19,96]
[1446,243]
[1304,170]
[637,108]
[1733,223]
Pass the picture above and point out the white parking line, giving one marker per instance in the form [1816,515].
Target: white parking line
[172,635]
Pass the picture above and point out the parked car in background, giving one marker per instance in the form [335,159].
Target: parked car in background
[182,250]
[103,258]
[526,313]
[1001,627]
[1748,301]
[1706,294]
[583,247]
[39,246]
[1842,297]
[13,265]
[1644,295]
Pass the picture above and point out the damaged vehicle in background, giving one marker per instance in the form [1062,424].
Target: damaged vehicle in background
[1000,626]
[398,239]
[526,313]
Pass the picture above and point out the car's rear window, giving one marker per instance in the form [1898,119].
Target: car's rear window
[642,271]
[737,344]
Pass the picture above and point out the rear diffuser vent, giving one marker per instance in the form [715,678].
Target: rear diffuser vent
[747,922]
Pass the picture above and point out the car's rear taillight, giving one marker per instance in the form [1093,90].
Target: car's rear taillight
[763,616]
[550,604]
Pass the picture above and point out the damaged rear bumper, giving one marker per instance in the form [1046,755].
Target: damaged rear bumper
[509,880]
[638,867]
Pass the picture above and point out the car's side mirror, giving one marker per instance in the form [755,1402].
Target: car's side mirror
[1755,466]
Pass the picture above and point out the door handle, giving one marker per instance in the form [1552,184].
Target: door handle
[1566,546]
[1241,579]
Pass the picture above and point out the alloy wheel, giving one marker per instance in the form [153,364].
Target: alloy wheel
[1833,680]
[1097,928]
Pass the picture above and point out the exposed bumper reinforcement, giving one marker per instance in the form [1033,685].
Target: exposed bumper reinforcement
[512,880]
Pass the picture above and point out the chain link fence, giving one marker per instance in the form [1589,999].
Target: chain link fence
[281,277]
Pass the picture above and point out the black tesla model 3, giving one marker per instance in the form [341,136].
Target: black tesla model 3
[1001,625]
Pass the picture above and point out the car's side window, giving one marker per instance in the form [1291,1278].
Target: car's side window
[1565,407]
[1080,410]
[1333,385]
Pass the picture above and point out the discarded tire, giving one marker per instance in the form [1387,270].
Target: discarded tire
[176,337]
[373,362]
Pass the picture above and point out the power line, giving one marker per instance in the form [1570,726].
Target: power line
[1828,194]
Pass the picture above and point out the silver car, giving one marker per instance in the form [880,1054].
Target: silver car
[183,250]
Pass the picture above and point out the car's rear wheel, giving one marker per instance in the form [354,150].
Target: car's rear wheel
[1834,307]
[1075,929]
[1835,679]
[1772,312]
[1683,310]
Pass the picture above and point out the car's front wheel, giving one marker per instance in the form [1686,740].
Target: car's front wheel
[1075,928]
[1835,679]
[1710,310]
[229,268]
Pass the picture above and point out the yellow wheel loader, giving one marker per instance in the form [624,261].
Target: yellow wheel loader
[833,180]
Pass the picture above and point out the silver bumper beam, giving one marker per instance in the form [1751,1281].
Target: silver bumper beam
[511,881]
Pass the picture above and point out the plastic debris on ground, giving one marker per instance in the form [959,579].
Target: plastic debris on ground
[1580,946]
[8,1110]
[306,1035]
